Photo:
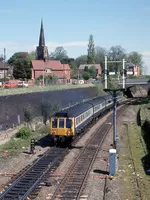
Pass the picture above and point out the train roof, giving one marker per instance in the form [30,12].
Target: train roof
[96,100]
[74,111]
[81,107]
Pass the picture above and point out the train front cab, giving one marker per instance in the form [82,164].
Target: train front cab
[62,127]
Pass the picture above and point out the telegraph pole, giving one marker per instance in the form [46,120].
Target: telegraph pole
[4,63]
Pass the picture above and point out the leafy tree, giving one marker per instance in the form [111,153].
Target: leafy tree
[100,53]
[17,56]
[81,60]
[86,75]
[22,69]
[59,54]
[31,55]
[48,109]
[116,53]
[91,51]
[86,69]
[21,63]
[67,60]
[93,72]
[74,69]
[135,58]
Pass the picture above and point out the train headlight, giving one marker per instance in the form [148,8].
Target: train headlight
[68,132]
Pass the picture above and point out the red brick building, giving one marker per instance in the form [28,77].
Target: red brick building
[43,66]
[133,70]
[52,68]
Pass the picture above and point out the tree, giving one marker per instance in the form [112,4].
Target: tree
[135,58]
[93,72]
[59,54]
[81,60]
[73,68]
[17,56]
[100,53]
[31,55]
[22,69]
[86,75]
[21,63]
[116,53]
[48,109]
[91,51]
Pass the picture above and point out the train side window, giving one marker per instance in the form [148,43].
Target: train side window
[68,123]
[54,123]
[61,123]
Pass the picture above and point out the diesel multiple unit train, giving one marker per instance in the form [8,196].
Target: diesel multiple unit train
[71,121]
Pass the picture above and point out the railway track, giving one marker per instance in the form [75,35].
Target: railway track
[73,183]
[31,178]
[21,188]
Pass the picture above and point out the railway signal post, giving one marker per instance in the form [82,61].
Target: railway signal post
[114,92]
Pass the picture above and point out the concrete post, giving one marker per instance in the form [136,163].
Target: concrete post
[112,162]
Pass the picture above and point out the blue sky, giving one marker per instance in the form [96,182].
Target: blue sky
[70,22]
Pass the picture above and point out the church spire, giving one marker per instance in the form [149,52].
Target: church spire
[42,50]
[42,38]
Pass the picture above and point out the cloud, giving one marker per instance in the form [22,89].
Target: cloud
[66,44]
[69,44]
[12,47]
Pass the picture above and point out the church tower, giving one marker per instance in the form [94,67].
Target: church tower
[42,50]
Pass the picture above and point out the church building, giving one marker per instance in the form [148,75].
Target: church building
[43,66]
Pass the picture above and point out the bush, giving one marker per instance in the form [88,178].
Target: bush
[28,113]
[24,133]
[48,109]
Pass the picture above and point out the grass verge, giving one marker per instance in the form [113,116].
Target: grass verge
[16,145]
[135,184]
[41,89]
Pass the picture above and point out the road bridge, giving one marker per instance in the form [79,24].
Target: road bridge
[130,83]
[134,82]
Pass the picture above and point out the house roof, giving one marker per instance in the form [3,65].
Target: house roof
[49,64]
[97,66]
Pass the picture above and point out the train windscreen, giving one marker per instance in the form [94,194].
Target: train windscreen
[68,123]
[54,123]
[61,123]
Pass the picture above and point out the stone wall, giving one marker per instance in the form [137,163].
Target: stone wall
[12,106]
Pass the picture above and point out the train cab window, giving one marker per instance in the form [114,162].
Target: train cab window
[54,123]
[68,123]
[61,123]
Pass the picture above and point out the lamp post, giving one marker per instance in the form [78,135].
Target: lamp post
[43,77]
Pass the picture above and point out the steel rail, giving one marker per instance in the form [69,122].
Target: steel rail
[73,182]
